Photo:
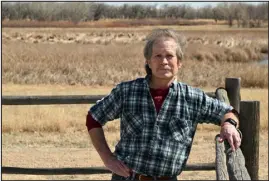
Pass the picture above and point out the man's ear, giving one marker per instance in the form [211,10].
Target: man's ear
[179,64]
[147,62]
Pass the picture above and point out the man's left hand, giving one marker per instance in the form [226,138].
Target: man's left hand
[230,133]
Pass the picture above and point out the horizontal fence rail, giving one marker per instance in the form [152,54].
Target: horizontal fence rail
[91,170]
[61,99]
[46,100]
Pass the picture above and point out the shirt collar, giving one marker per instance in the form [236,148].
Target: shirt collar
[147,81]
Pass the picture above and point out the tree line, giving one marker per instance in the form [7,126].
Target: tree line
[244,14]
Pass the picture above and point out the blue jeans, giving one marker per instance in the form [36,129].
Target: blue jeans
[118,177]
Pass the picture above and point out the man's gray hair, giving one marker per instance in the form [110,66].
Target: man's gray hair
[167,33]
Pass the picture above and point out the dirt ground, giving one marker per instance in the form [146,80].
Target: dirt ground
[44,150]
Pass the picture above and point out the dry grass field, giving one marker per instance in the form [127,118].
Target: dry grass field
[79,61]
[103,57]
[106,23]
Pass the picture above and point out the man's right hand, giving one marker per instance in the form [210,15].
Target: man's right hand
[116,166]
[110,160]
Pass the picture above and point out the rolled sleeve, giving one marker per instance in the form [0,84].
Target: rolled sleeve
[212,110]
[109,107]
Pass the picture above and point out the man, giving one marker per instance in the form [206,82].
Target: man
[158,116]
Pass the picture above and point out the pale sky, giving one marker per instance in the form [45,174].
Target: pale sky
[196,4]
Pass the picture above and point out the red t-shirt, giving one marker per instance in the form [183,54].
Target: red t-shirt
[158,96]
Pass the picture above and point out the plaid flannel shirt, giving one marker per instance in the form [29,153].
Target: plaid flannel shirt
[157,144]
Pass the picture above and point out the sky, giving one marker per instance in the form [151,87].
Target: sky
[196,4]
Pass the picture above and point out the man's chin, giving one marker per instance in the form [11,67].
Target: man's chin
[165,76]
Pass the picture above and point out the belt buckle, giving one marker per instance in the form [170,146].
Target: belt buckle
[140,177]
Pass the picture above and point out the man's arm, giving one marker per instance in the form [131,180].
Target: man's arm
[107,109]
[217,112]
[110,161]
[100,143]
[229,132]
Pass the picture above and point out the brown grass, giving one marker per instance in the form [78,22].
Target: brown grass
[105,23]
[78,57]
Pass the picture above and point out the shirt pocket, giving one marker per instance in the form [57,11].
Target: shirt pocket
[179,129]
[132,125]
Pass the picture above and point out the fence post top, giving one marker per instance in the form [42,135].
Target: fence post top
[233,78]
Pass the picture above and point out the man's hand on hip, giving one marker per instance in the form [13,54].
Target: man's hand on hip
[116,166]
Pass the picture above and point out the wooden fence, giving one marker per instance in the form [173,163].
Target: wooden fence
[242,164]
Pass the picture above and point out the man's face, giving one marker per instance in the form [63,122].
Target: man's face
[164,62]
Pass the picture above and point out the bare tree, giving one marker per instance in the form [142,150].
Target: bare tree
[226,11]
[6,11]
[190,13]
[246,15]
[218,13]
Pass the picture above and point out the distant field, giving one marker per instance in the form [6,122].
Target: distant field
[125,23]
[110,23]
[102,56]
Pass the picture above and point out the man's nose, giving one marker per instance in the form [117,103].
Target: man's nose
[164,60]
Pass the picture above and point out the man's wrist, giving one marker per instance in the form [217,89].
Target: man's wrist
[230,121]
[106,156]
[224,124]
[235,112]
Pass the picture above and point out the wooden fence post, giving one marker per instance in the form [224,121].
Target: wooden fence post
[221,167]
[232,86]
[235,161]
[249,126]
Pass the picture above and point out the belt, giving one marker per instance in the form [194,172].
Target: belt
[145,177]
